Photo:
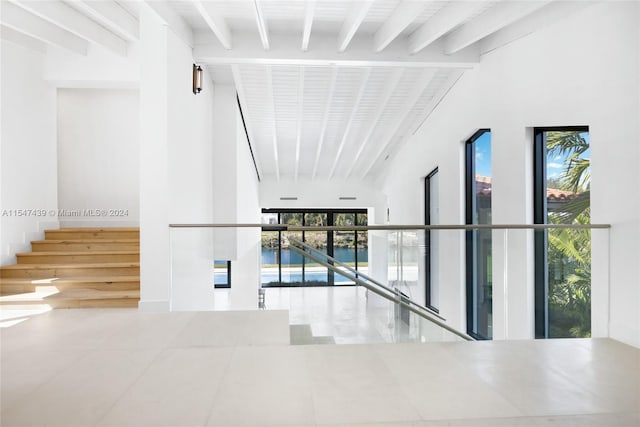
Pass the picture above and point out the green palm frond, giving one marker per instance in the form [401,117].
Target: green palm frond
[570,243]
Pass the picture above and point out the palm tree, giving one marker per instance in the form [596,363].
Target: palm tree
[570,250]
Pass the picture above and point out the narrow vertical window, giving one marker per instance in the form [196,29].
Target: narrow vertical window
[478,242]
[431,238]
[562,180]
[222,274]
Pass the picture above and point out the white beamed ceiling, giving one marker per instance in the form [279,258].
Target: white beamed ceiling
[329,88]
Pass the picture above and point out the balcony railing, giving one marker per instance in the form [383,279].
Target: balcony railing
[471,280]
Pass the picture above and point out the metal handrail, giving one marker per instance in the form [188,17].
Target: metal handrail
[413,307]
[357,273]
[286,227]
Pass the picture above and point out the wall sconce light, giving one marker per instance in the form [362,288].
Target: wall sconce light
[197,79]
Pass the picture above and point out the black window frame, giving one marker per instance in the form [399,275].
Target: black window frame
[330,220]
[470,235]
[427,240]
[541,240]
[224,285]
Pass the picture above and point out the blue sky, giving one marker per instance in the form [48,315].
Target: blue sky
[483,155]
[555,162]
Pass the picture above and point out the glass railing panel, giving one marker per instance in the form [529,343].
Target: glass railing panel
[270,258]
[427,269]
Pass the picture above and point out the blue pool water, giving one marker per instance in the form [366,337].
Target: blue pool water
[270,256]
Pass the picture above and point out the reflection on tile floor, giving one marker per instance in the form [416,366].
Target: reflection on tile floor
[117,367]
[352,315]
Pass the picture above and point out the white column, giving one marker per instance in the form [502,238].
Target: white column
[513,292]
[154,186]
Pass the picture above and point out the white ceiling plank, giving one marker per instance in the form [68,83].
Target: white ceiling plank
[354,110]
[261,22]
[215,21]
[111,15]
[285,50]
[174,21]
[402,16]
[33,26]
[325,118]
[272,103]
[495,18]
[402,114]
[389,89]
[352,23]
[70,19]
[541,18]
[242,96]
[13,36]
[299,120]
[308,22]
[445,20]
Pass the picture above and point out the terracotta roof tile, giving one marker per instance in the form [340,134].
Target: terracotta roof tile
[483,188]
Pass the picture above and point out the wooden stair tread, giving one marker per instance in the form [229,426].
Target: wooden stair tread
[80,267]
[96,229]
[80,279]
[78,253]
[54,266]
[84,294]
[61,241]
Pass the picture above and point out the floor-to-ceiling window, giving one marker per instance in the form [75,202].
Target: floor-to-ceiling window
[281,266]
[478,242]
[431,239]
[562,177]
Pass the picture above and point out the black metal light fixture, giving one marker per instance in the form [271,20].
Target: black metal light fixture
[197,79]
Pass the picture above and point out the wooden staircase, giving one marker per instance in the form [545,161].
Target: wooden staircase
[78,268]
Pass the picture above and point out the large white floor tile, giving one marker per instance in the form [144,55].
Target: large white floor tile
[177,389]
[264,386]
[83,392]
[352,384]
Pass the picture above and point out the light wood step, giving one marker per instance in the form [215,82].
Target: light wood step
[93,233]
[85,245]
[94,299]
[44,271]
[116,283]
[77,299]
[78,257]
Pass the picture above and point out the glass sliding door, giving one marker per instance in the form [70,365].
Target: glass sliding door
[315,274]
[270,254]
[562,180]
[478,242]
[362,244]
[281,266]
[344,245]
[291,262]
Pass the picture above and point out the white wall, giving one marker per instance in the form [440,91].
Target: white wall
[176,179]
[100,68]
[245,269]
[28,152]
[225,170]
[580,71]
[98,157]
[320,194]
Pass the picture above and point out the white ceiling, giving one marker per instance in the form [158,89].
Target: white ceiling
[329,88]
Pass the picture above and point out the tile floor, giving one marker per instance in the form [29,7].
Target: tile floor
[350,315]
[118,367]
